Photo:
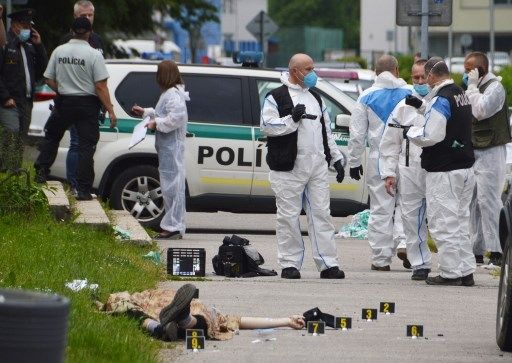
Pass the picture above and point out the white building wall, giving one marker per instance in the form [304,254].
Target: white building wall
[379,34]
[236,14]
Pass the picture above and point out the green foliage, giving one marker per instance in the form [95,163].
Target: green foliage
[405,63]
[39,253]
[506,74]
[360,60]
[342,14]
[19,194]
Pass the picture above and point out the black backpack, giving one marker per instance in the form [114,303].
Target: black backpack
[237,258]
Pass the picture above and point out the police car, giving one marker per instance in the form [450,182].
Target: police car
[225,149]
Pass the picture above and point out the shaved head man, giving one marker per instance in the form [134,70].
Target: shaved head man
[300,149]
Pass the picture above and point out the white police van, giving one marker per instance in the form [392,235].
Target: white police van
[225,149]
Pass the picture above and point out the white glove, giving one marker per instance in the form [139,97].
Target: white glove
[473,77]
[149,111]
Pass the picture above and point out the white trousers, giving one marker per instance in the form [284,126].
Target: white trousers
[448,198]
[383,230]
[306,186]
[411,189]
[489,168]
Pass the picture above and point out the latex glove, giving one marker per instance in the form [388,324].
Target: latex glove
[355,173]
[473,77]
[413,101]
[298,111]
[339,169]
[390,184]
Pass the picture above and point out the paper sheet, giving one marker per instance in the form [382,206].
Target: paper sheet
[139,132]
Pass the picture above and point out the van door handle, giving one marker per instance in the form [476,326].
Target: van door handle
[189,134]
[262,139]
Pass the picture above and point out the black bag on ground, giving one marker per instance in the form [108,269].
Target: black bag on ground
[237,258]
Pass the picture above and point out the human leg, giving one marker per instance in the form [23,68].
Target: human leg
[444,191]
[54,131]
[288,188]
[72,157]
[10,142]
[171,167]
[467,258]
[413,204]
[316,204]
[380,223]
[491,176]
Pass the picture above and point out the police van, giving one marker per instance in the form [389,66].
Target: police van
[225,149]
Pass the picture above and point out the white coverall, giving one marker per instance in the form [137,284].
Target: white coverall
[489,169]
[369,118]
[448,193]
[171,118]
[411,184]
[306,186]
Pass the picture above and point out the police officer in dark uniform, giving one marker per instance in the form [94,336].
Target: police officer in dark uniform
[22,61]
[79,75]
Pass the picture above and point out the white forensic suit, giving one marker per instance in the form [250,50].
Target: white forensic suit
[448,193]
[410,185]
[369,118]
[170,114]
[489,169]
[306,186]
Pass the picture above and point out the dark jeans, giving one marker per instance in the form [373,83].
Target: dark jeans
[14,123]
[82,112]
[72,157]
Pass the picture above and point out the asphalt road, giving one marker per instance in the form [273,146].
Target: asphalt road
[459,322]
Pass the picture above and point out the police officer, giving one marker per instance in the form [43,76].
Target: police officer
[22,61]
[83,8]
[491,133]
[78,73]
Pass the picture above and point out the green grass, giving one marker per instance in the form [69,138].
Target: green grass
[36,252]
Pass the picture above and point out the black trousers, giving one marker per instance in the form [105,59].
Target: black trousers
[81,111]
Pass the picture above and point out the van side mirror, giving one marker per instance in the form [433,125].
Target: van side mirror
[342,122]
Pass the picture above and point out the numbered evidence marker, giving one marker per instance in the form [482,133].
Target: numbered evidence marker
[369,314]
[343,323]
[316,327]
[414,331]
[387,307]
[195,339]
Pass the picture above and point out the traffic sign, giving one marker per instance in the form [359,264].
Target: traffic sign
[408,12]
[261,26]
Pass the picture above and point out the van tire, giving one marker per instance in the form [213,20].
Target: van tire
[133,188]
[504,314]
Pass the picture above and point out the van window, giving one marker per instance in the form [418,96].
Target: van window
[129,91]
[214,99]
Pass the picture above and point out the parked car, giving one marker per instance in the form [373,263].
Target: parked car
[225,149]
[504,312]
[501,59]
[347,81]
[455,64]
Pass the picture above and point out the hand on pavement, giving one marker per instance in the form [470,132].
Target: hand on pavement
[296,322]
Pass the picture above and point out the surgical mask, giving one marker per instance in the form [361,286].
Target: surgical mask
[421,89]
[465,79]
[24,35]
[310,79]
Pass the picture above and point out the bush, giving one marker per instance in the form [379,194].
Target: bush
[18,194]
[361,61]
[506,75]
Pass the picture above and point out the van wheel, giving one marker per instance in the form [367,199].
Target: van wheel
[504,314]
[138,191]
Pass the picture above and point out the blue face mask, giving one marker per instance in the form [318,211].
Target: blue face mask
[465,79]
[421,89]
[24,35]
[310,79]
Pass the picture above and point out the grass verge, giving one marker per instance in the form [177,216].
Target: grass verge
[38,253]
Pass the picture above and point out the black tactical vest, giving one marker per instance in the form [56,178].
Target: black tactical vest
[492,131]
[455,151]
[282,150]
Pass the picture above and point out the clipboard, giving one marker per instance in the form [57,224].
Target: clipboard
[139,133]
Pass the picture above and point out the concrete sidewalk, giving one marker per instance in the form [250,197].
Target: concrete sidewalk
[459,322]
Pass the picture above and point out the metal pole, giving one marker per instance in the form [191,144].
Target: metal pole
[450,46]
[491,34]
[424,29]
[262,37]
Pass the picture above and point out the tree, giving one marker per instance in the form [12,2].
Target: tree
[342,14]
[192,15]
